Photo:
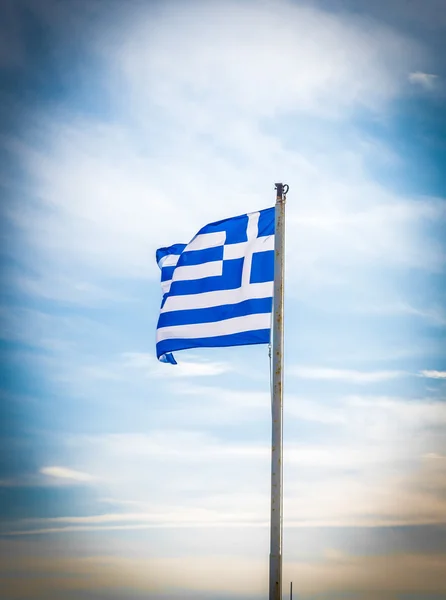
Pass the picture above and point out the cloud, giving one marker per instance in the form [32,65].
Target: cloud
[346,375]
[434,456]
[399,499]
[207,114]
[51,330]
[424,80]
[433,374]
[369,459]
[406,414]
[205,407]
[338,573]
[433,314]
[345,61]
[202,480]
[49,476]
[63,473]
[186,368]
[69,289]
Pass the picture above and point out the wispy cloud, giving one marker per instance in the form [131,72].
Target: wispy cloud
[433,314]
[65,474]
[216,110]
[397,499]
[48,476]
[433,374]
[226,575]
[325,82]
[70,290]
[346,375]
[148,364]
[49,330]
[434,456]
[424,80]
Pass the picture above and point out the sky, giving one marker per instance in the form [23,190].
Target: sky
[127,126]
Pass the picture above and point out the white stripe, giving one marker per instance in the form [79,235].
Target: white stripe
[252,231]
[234,250]
[207,330]
[218,298]
[261,244]
[165,286]
[207,240]
[170,260]
[191,272]
[265,243]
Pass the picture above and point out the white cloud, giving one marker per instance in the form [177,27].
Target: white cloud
[315,411]
[64,473]
[200,406]
[397,419]
[206,481]
[389,500]
[434,456]
[208,573]
[434,314]
[125,215]
[320,62]
[185,368]
[50,330]
[346,375]
[433,374]
[69,289]
[110,193]
[424,80]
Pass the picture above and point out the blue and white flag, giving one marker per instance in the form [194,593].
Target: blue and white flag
[218,289]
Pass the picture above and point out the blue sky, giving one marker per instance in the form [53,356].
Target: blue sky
[126,127]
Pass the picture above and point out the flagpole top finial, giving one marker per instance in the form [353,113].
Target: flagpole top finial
[282,189]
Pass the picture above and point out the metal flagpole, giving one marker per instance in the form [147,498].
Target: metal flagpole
[275,557]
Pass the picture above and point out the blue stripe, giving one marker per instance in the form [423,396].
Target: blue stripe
[216,313]
[266,222]
[245,338]
[198,257]
[192,257]
[230,280]
[235,229]
[167,273]
[262,267]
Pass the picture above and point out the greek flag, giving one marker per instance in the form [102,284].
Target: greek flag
[218,289]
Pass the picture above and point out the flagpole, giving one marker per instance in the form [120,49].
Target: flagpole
[275,558]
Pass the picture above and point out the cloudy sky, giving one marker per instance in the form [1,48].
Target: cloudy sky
[126,126]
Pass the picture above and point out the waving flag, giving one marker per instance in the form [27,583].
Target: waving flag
[218,289]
